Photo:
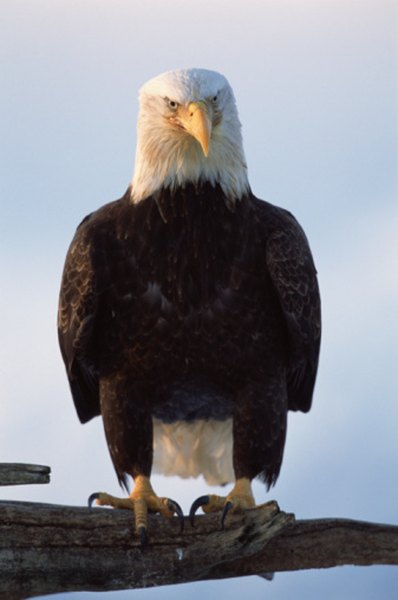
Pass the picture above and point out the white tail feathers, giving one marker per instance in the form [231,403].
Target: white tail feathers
[190,449]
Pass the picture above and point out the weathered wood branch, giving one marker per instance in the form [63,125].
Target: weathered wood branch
[23,474]
[47,548]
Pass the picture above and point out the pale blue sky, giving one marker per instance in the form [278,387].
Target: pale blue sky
[316,84]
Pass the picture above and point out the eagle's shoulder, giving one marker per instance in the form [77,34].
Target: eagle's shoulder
[284,237]
[274,218]
[105,219]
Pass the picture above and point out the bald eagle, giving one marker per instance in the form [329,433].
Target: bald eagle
[189,314]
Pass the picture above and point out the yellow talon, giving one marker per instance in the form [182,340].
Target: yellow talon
[240,498]
[141,501]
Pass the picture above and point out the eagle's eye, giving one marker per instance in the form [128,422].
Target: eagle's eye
[214,99]
[172,104]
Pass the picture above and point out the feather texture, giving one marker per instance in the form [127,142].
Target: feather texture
[177,308]
[193,448]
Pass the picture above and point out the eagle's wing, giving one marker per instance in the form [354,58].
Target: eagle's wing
[293,274]
[77,312]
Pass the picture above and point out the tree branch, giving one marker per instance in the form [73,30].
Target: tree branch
[23,474]
[47,548]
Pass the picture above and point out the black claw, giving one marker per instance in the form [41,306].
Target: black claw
[227,507]
[91,499]
[173,505]
[143,537]
[201,501]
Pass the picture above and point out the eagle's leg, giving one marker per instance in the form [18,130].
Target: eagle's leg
[128,427]
[141,500]
[259,429]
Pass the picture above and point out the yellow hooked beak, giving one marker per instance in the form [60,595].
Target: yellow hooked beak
[196,121]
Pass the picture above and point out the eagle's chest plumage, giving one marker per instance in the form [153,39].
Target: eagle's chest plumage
[186,282]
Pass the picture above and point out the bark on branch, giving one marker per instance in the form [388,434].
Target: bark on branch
[47,548]
[23,474]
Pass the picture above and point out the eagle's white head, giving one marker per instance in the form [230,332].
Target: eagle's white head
[188,131]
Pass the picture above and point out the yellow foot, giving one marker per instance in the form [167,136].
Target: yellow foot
[240,498]
[141,501]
